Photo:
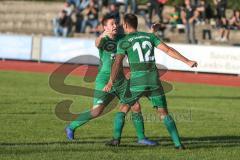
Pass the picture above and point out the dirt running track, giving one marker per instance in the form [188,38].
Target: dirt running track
[173,76]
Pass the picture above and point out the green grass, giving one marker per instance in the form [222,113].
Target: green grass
[207,118]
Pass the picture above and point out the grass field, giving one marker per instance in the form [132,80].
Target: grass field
[207,118]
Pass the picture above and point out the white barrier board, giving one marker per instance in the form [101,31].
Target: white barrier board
[213,59]
[63,49]
[15,47]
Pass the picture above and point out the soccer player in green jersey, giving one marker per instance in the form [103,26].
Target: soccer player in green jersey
[144,79]
[107,45]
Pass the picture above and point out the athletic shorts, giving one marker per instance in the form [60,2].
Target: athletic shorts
[156,96]
[118,90]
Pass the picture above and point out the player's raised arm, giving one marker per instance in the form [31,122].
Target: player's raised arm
[175,54]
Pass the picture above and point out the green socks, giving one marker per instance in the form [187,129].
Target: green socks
[138,123]
[172,129]
[119,121]
[118,124]
[81,119]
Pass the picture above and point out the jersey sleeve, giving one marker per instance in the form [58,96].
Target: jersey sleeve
[156,41]
[121,49]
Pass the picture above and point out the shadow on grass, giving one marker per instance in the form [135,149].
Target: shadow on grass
[130,142]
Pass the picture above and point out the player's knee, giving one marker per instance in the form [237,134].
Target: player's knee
[136,107]
[96,111]
[162,113]
[124,108]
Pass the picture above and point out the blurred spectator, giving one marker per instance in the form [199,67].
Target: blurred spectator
[202,7]
[67,7]
[222,22]
[223,33]
[189,14]
[114,10]
[62,24]
[183,17]
[232,24]
[78,23]
[161,32]
[133,4]
[99,29]
[79,4]
[175,18]
[205,14]
[102,5]
[208,10]
[91,18]
[195,2]
[234,21]
[143,10]
[206,32]
[157,6]
[221,6]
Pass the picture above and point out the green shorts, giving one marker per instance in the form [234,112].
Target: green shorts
[156,96]
[118,90]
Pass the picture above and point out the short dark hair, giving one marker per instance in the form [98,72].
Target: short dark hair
[106,18]
[131,19]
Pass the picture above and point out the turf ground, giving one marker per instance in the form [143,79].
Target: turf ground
[207,118]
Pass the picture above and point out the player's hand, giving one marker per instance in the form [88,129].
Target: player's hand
[108,87]
[155,27]
[105,33]
[192,64]
[128,75]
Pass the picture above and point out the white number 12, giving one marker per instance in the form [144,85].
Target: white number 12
[147,56]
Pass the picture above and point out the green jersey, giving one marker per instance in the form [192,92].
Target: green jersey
[139,48]
[107,51]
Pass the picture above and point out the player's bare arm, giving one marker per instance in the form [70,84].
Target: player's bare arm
[176,55]
[115,69]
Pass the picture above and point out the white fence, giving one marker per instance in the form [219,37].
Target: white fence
[213,59]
